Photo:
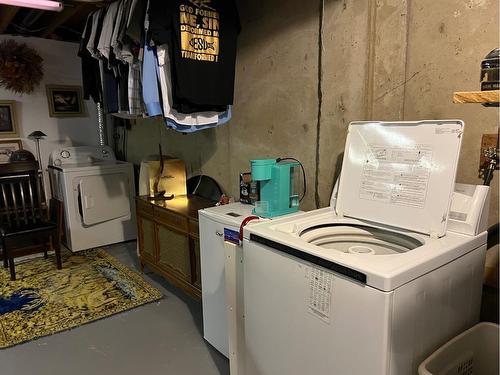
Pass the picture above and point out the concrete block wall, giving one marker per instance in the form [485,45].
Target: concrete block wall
[380,60]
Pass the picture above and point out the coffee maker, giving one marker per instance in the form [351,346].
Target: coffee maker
[277,187]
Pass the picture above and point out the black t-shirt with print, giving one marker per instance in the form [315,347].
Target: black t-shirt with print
[202,37]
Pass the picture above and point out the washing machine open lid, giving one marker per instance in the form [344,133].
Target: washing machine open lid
[400,174]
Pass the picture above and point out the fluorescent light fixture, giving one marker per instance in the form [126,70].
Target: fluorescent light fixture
[36,4]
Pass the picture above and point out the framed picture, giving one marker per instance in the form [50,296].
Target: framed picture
[8,120]
[7,147]
[65,101]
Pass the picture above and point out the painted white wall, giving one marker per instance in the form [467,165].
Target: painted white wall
[61,67]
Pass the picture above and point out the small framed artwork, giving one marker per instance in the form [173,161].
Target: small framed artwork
[8,120]
[7,147]
[65,101]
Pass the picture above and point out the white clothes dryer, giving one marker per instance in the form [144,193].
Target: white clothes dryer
[97,192]
[378,282]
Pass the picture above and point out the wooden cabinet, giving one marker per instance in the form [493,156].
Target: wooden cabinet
[168,236]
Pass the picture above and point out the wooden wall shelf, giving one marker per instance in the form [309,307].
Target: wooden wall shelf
[476,96]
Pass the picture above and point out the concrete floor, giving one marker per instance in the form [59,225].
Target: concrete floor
[164,337]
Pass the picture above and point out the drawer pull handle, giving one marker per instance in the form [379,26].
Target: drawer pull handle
[219,233]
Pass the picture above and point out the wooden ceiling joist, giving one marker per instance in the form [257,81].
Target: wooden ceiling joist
[59,19]
[7,14]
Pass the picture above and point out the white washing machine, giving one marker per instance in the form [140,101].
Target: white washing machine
[378,282]
[97,191]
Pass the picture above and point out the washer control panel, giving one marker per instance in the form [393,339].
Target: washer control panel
[80,155]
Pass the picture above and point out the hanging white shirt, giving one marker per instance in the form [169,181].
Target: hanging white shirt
[198,118]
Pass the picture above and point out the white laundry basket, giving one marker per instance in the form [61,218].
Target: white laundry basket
[474,352]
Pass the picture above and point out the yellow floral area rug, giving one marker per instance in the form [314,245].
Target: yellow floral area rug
[43,300]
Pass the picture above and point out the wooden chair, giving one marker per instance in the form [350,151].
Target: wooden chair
[24,214]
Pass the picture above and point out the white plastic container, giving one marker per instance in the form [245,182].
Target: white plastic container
[474,352]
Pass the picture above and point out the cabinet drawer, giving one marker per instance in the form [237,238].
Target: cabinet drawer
[169,218]
[194,227]
[145,207]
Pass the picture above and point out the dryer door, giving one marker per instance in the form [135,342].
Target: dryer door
[104,197]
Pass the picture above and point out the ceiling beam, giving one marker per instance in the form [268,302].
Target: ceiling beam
[7,14]
[59,19]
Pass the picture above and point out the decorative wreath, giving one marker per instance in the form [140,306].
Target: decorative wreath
[21,68]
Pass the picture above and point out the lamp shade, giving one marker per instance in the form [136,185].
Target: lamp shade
[37,134]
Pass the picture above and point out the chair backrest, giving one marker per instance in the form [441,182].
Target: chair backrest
[22,199]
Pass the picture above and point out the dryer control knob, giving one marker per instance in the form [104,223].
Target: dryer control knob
[65,154]
[57,162]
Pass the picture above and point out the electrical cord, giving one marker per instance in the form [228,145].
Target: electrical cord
[303,174]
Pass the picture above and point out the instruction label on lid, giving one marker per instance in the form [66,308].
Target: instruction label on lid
[396,175]
[401,173]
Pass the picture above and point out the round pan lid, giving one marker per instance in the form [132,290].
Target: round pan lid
[400,174]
